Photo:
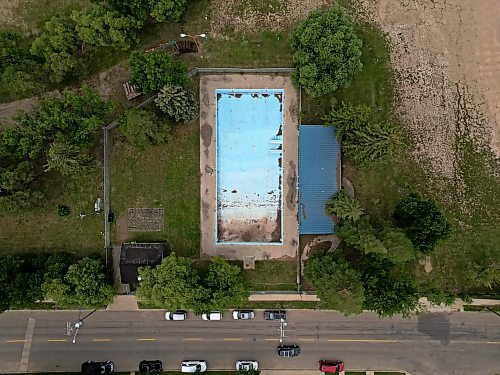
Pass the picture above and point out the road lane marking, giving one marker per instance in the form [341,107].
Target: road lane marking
[233,339]
[101,340]
[363,340]
[146,339]
[14,341]
[25,357]
[272,339]
[192,339]
[57,340]
[306,339]
[493,342]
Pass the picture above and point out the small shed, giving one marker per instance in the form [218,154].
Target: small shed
[319,177]
[134,255]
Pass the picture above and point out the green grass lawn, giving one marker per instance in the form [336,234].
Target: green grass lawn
[164,176]
[42,230]
[272,275]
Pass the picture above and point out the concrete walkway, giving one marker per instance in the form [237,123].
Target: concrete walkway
[124,303]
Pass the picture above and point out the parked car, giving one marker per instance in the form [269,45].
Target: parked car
[176,315]
[97,367]
[288,350]
[193,366]
[274,314]
[151,367]
[331,366]
[247,365]
[243,314]
[214,315]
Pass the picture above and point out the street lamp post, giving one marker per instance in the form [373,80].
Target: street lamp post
[194,37]
[76,327]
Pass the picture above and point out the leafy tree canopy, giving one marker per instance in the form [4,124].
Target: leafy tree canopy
[327,51]
[67,159]
[225,284]
[399,247]
[337,284]
[174,284]
[178,103]
[99,26]
[344,206]
[167,10]
[422,221]
[143,128]
[361,236]
[152,71]
[389,289]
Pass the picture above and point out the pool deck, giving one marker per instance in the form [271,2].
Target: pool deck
[208,215]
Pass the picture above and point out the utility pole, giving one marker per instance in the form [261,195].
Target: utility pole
[282,325]
[73,329]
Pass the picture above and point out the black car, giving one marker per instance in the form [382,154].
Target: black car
[151,367]
[275,314]
[97,368]
[288,350]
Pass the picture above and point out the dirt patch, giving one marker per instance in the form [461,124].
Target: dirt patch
[109,84]
[445,56]
[259,15]
[10,15]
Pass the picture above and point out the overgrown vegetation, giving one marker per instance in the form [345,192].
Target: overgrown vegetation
[143,128]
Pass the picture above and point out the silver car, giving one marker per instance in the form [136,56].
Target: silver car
[243,314]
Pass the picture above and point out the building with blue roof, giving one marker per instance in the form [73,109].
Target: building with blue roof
[319,177]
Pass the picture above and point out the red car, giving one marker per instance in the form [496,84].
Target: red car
[331,366]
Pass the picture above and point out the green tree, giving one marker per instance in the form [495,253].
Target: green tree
[363,139]
[57,46]
[84,285]
[136,8]
[249,372]
[227,287]
[178,103]
[18,83]
[99,26]
[17,178]
[12,52]
[67,159]
[389,289]
[167,10]
[326,51]
[361,236]
[399,247]
[151,71]
[422,221]
[344,206]
[338,285]
[143,128]
[174,284]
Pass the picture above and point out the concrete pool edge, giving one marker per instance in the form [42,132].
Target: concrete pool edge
[208,134]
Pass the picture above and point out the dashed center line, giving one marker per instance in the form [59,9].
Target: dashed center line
[14,341]
[101,340]
[57,340]
[272,339]
[305,339]
[363,340]
[493,342]
[192,339]
[233,339]
[146,339]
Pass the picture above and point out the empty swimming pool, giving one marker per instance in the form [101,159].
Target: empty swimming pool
[249,168]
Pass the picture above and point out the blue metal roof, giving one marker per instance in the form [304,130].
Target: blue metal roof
[319,164]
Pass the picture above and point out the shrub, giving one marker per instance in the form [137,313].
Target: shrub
[62,210]
[344,206]
[178,103]
[143,128]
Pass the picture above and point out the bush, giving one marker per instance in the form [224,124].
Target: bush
[361,236]
[167,10]
[422,221]
[327,51]
[151,71]
[62,210]
[142,128]
[178,103]
[344,206]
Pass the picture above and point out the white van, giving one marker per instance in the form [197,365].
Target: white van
[175,315]
[214,315]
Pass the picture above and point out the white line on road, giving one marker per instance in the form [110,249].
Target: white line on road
[101,340]
[23,367]
[57,340]
[233,339]
[146,339]
[303,339]
[14,341]
[493,342]
[272,339]
[363,340]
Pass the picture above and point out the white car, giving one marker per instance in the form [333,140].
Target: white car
[193,366]
[214,315]
[175,315]
[247,365]
[243,314]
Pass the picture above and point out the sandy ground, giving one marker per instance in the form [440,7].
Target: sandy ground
[446,59]
[254,16]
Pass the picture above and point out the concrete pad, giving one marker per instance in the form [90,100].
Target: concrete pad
[290,241]
[123,303]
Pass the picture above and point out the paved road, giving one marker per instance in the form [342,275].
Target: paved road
[436,343]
